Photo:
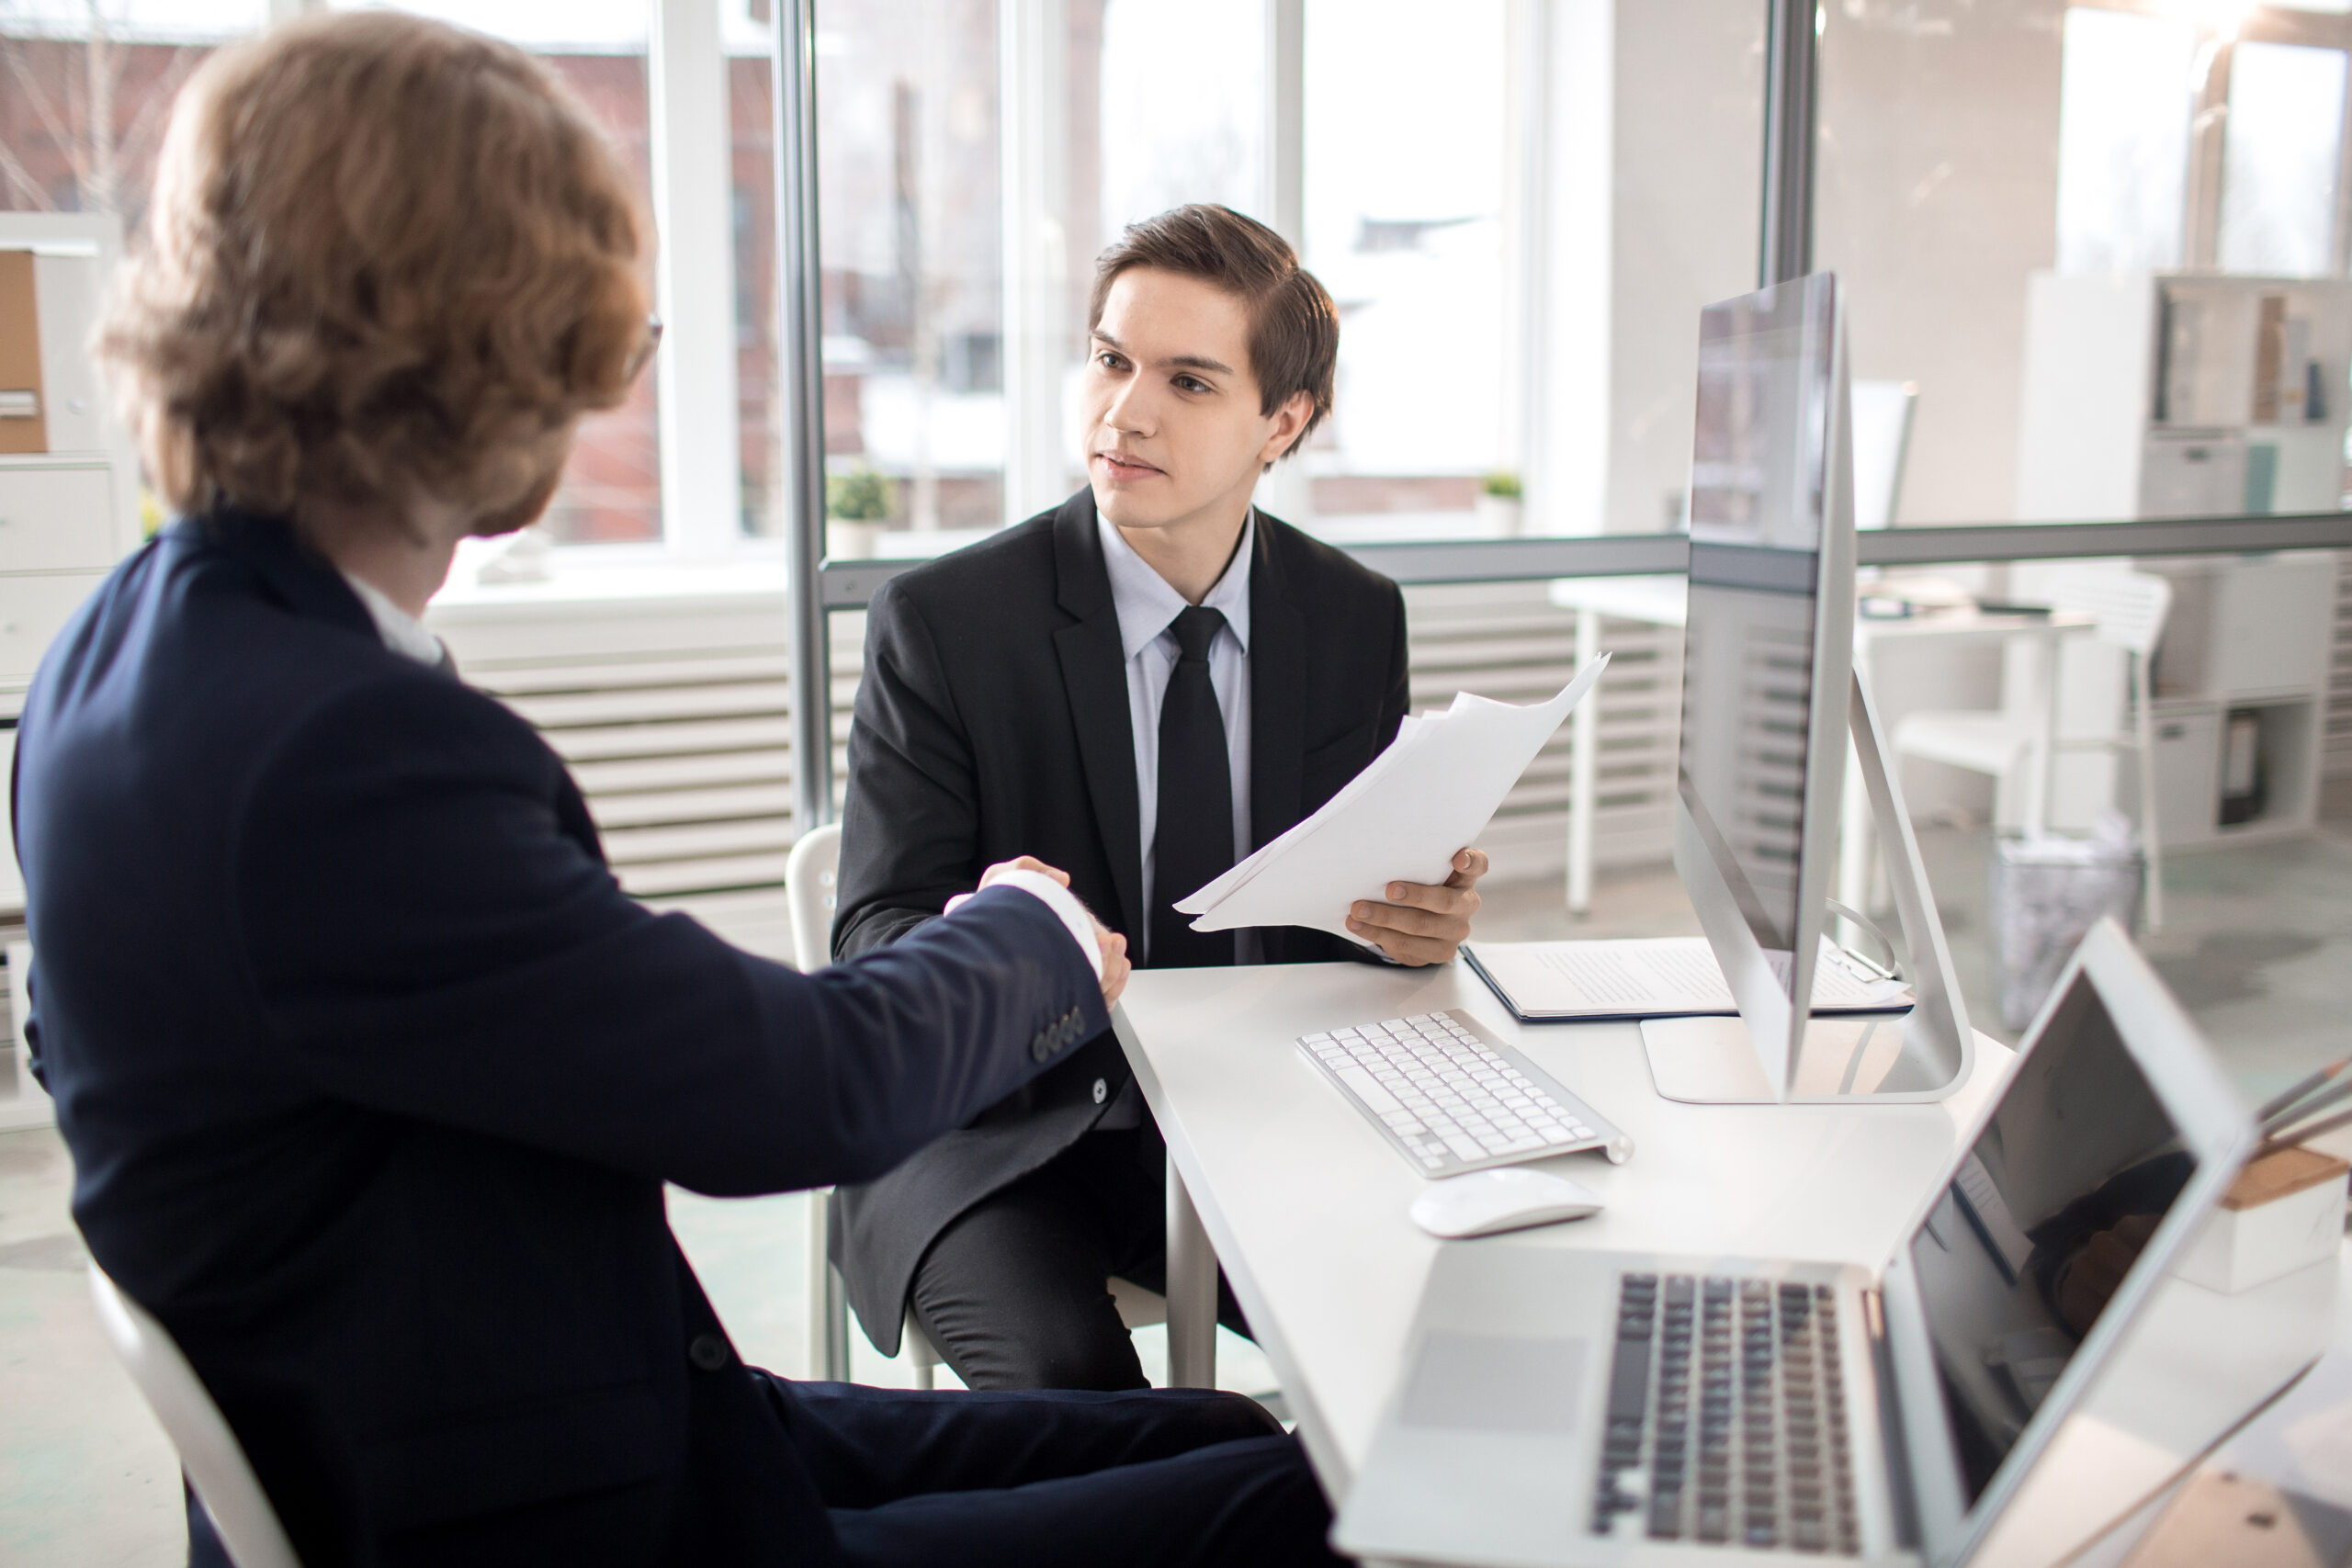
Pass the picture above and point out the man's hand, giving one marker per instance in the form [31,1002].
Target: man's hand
[1115,966]
[1114,947]
[996,873]
[1421,924]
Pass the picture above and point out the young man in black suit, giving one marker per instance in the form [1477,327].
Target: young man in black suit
[1140,685]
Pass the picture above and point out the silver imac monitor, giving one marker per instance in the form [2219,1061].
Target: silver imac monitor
[1767,691]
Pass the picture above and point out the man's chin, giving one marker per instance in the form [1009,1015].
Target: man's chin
[1125,509]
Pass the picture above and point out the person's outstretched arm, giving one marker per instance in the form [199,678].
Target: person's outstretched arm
[422,934]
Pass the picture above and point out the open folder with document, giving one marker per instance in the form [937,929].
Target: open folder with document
[1402,819]
[1657,977]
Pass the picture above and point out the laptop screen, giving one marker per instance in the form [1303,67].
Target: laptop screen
[2021,1253]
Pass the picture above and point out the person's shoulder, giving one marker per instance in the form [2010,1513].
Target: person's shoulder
[1321,573]
[1015,559]
[1003,582]
[226,632]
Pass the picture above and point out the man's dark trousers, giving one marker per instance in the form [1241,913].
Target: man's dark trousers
[1172,1477]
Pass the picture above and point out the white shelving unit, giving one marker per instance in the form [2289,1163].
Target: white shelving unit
[69,509]
[2183,395]
[2159,394]
[2251,637]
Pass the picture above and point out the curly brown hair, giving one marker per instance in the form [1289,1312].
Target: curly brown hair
[387,260]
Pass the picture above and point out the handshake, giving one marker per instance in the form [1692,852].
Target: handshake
[1421,923]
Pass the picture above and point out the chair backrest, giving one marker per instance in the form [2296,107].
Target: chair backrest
[811,887]
[1881,428]
[209,1451]
[2129,607]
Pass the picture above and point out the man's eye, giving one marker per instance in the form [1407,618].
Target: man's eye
[1108,360]
[1191,384]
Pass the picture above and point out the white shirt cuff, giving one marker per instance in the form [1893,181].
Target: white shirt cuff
[1061,900]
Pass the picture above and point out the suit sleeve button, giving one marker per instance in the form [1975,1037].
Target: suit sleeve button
[1101,1091]
[707,1351]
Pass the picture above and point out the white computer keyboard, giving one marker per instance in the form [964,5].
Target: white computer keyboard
[1453,1098]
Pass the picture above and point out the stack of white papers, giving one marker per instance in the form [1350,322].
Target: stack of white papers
[1402,819]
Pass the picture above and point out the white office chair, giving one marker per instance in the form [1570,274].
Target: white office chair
[1881,421]
[209,1450]
[811,887]
[2127,611]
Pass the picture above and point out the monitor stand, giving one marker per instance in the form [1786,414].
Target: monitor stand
[1889,1059]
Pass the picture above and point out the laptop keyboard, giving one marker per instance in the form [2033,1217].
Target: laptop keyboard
[1450,1097]
[1726,1394]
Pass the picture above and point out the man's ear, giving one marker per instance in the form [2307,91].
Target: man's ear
[1289,421]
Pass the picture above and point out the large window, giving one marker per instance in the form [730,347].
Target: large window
[2125,99]
[1519,211]
[1407,181]
[908,145]
[2282,158]
[85,86]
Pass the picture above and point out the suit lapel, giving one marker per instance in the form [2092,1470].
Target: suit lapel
[1094,675]
[1277,693]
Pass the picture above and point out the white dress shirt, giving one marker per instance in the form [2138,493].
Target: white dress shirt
[401,632]
[404,635]
[1147,607]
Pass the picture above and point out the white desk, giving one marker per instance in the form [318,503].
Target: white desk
[1305,1204]
[1278,1175]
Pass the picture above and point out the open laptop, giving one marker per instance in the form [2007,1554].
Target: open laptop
[1565,1406]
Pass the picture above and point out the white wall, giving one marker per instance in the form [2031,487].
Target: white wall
[1688,158]
[1937,196]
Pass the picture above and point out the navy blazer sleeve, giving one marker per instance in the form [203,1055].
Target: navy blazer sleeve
[423,935]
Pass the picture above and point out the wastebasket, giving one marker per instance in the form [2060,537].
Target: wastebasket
[2047,891]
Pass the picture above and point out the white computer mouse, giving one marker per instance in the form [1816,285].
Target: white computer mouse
[1506,1199]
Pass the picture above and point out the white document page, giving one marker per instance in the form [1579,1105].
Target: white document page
[1417,805]
[1653,977]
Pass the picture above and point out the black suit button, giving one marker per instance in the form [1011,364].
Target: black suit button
[1101,1091]
[707,1351]
[1041,1047]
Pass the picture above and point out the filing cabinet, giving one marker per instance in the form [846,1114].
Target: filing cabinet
[69,510]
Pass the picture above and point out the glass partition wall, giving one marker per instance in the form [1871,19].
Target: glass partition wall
[2044,216]
[1518,214]
[2101,249]
[2095,255]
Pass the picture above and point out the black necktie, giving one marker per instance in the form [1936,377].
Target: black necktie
[1193,842]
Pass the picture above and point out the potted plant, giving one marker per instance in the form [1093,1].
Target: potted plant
[1499,504]
[856,505]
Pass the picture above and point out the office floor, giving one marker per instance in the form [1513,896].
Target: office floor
[2257,945]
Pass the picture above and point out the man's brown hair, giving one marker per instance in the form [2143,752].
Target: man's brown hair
[385,258]
[1294,327]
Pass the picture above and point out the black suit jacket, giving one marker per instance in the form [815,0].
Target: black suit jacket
[992,722]
[372,1075]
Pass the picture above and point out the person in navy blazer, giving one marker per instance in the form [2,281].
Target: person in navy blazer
[371,1073]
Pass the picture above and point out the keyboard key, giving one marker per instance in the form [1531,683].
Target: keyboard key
[1365,1087]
